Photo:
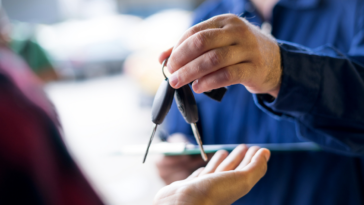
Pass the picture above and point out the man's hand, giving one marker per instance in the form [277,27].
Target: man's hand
[224,180]
[223,51]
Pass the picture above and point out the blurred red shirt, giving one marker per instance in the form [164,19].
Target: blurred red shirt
[35,166]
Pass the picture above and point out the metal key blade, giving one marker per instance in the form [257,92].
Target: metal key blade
[150,142]
[199,141]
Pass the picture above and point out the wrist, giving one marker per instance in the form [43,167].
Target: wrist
[276,75]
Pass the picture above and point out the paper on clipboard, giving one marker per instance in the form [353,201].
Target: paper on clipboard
[189,149]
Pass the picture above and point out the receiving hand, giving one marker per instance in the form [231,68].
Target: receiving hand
[225,179]
[223,51]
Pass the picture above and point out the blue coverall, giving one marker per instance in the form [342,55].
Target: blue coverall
[321,100]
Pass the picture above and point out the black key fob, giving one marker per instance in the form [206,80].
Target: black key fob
[186,104]
[162,102]
[216,94]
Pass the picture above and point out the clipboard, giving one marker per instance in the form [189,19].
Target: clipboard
[172,149]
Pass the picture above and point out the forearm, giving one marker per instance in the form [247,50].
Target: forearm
[323,93]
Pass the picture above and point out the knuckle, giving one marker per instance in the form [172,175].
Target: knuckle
[214,58]
[232,17]
[227,75]
[216,18]
[193,30]
[242,74]
[199,41]
[240,30]
[185,75]
[226,16]
[200,69]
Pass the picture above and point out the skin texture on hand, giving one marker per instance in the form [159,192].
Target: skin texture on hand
[174,168]
[225,179]
[223,51]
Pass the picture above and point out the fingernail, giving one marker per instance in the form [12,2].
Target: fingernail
[173,80]
[195,86]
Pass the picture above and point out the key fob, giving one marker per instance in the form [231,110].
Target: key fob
[162,102]
[186,104]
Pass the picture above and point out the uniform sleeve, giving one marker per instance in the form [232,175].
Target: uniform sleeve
[211,8]
[322,90]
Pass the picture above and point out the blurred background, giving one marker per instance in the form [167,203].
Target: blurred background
[98,60]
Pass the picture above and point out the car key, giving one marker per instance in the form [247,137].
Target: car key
[186,104]
[161,105]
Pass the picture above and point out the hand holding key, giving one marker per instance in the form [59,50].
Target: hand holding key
[222,51]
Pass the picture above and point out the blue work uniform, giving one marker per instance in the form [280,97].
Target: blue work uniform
[321,99]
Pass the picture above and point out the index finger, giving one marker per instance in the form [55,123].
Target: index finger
[199,39]
[165,54]
[197,28]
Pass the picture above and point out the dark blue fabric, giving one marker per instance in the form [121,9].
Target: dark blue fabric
[321,100]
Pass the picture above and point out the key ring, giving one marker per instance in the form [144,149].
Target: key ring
[163,65]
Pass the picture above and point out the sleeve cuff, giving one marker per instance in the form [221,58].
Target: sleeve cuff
[300,83]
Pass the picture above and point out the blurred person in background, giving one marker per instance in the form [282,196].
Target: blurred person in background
[36,167]
[299,78]
[20,38]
